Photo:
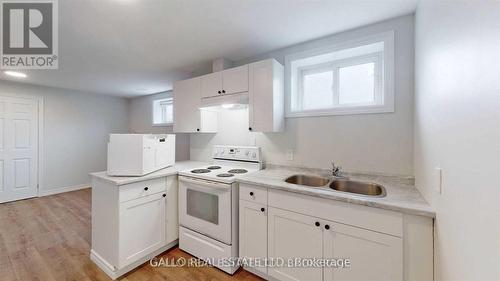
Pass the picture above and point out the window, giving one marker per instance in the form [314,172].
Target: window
[351,78]
[163,113]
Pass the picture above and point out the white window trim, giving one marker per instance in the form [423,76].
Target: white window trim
[167,124]
[388,77]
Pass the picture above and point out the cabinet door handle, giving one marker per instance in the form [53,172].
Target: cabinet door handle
[317,223]
[262,209]
[146,188]
[251,193]
[219,92]
[197,130]
[327,226]
[249,128]
[223,91]
[164,195]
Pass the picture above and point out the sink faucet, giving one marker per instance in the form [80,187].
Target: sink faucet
[337,171]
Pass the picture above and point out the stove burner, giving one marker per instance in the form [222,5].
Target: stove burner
[213,167]
[200,171]
[225,175]
[237,171]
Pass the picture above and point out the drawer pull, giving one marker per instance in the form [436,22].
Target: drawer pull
[251,193]
[327,226]
[164,195]
[262,210]
[146,188]
[317,223]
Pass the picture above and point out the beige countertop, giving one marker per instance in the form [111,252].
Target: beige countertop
[401,195]
[173,170]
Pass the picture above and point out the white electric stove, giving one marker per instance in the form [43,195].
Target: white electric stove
[208,205]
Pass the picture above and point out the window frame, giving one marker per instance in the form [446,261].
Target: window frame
[166,124]
[384,75]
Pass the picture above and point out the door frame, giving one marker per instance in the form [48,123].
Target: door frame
[40,108]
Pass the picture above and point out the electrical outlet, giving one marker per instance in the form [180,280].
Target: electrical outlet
[289,154]
[439,180]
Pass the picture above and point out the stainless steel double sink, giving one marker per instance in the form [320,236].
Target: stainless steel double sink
[343,185]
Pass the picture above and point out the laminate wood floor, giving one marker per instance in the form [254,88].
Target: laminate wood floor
[48,239]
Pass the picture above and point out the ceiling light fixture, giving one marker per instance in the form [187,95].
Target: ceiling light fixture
[15,74]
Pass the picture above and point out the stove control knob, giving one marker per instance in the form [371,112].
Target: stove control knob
[247,153]
[222,152]
[254,155]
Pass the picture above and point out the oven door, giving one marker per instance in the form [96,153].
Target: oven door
[205,207]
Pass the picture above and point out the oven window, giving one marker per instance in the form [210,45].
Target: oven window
[204,206]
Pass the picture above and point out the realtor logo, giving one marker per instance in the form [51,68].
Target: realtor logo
[29,34]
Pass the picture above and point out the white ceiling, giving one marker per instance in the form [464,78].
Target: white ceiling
[138,47]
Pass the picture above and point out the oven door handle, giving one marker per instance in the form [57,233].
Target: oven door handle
[213,185]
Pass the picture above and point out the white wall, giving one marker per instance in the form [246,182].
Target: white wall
[141,120]
[76,131]
[374,142]
[457,128]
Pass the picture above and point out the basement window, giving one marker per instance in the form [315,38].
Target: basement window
[163,113]
[350,78]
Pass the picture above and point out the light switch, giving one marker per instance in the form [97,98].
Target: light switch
[439,180]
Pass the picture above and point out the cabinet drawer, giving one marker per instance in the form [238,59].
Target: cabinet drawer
[140,189]
[253,193]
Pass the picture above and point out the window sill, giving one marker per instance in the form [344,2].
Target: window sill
[341,111]
[163,125]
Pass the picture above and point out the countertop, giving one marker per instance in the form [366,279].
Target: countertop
[173,170]
[401,195]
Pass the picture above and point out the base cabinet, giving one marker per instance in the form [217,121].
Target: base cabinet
[368,243]
[142,228]
[132,223]
[292,235]
[253,233]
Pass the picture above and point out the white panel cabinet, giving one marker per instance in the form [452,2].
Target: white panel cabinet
[188,117]
[142,228]
[132,223]
[373,256]
[292,235]
[266,106]
[226,82]
[211,85]
[253,232]
[380,245]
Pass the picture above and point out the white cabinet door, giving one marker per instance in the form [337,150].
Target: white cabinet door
[235,80]
[253,232]
[142,228]
[186,106]
[266,96]
[292,235]
[211,85]
[172,210]
[373,256]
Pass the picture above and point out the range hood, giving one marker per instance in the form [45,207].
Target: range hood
[238,100]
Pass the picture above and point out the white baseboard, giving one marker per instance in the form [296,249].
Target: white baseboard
[47,192]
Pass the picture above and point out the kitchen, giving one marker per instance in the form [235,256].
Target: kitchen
[353,140]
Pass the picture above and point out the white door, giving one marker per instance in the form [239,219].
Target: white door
[374,256]
[205,207]
[292,235]
[142,228]
[235,80]
[253,232]
[186,106]
[18,148]
[211,85]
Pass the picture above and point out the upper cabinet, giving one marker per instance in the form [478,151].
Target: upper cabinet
[266,105]
[188,117]
[229,81]
[263,83]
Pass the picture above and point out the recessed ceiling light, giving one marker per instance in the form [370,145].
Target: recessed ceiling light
[15,74]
